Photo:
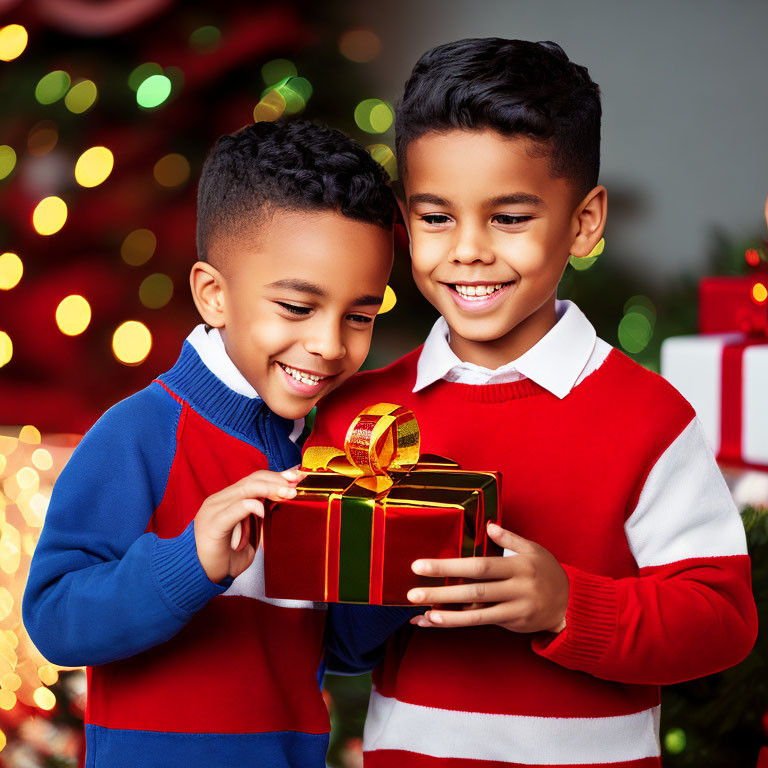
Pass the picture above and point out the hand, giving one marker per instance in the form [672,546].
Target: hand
[223,522]
[527,592]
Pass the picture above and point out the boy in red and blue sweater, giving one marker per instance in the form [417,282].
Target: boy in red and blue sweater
[145,570]
[627,565]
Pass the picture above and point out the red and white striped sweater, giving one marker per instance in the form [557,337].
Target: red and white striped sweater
[614,477]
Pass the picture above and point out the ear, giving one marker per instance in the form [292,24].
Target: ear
[207,285]
[589,221]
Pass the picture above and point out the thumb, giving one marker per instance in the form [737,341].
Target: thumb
[509,540]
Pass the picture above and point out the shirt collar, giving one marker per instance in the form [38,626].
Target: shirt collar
[554,362]
[210,346]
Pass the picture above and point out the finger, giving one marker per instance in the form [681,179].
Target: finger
[494,614]
[293,475]
[468,567]
[276,489]
[509,540]
[478,592]
[224,522]
[237,537]
[243,529]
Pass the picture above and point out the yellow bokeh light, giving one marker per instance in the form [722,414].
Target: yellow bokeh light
[7,702]
[759,293]
[385,157]
[73,315]
[39,506]
[42,459]
[10,638]
[11,270]
[156,290]
[6,348]
[94,166]
[81,97]
[30,434]
[10,681]
[44,698]
[138,247]
[132,342]
[3,463]
[360,45]
[270,108]
[49,215]
[172,170]
[13,41]
[48,674]
[6,605]
[3,741]
[26,477]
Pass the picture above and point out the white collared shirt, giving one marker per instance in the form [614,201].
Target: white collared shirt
[559,361]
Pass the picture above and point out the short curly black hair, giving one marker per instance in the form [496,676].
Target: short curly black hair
[296,165]
[516,87]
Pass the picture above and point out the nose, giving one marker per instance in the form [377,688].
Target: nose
[326,340]
[471,246]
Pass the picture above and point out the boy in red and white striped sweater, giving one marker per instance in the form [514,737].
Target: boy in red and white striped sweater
[627,565]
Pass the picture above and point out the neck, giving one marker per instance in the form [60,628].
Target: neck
[497,352]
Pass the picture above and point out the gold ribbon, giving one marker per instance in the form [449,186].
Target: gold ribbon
[381,438]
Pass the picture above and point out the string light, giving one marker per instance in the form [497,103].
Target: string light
[138,247]
[52,87]
[94,166]
[81,97]
[7,160]
[49,216]
[153,91]
[6,349]
[132,342]
[73,315]
[13,41]
[360,45]
[11,270]
[373,116]
[172,170]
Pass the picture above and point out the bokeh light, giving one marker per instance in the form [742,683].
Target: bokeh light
[73,315]
[373,116]
[205,39]
[27,478]
[141,73]
[30,434]
[277,70]
[675,741]
[6,603]
[635,331]
[270,108]
[49,215]
[52,87]
[6,349]
[10,681]
[172,170]
[13,41]
[153,91]
[389,300]
[643,305]
[11,270]
[48,675]
[156,290]
[81,97]
[132,342]
[752,256]
[42,459]
[759,293]
[94,166]
[44,698]
[360,45]
[138,247]
[42,138]
[385,157]
[7,160]
[296,92]
[7,702]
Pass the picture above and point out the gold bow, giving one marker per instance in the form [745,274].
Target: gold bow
[381,438]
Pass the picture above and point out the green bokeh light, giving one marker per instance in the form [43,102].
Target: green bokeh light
[580,264]
[373,116]
[81,97]
[153,91]
[296,92]
[643,305]
[635,332]
[156,290]
[7,160]
[385,157]
[52,86]
[278,69]
[142,72]
[205,39]
[675,741]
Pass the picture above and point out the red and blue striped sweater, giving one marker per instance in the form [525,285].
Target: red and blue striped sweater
[182,672]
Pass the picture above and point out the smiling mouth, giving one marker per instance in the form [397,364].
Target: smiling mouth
[305,377]
[477,291]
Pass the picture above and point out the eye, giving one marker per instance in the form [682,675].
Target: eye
[294,309]
[509,219]
[436,219]
[360,318]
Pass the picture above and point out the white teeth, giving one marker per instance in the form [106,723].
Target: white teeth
[306,378]
[475,292]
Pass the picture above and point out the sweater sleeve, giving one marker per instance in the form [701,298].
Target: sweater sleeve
[689,612]
[100,587]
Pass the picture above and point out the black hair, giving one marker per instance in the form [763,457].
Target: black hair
[515,87]
[295,165]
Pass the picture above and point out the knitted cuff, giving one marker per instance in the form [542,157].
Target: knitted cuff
[590,622]
[180,577]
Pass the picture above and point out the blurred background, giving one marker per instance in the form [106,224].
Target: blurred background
[107,110]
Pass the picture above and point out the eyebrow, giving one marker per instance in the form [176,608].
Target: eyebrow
[514,198]
[304,286]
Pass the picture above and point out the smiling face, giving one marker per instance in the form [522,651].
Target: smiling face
[491,231]
[295,301]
